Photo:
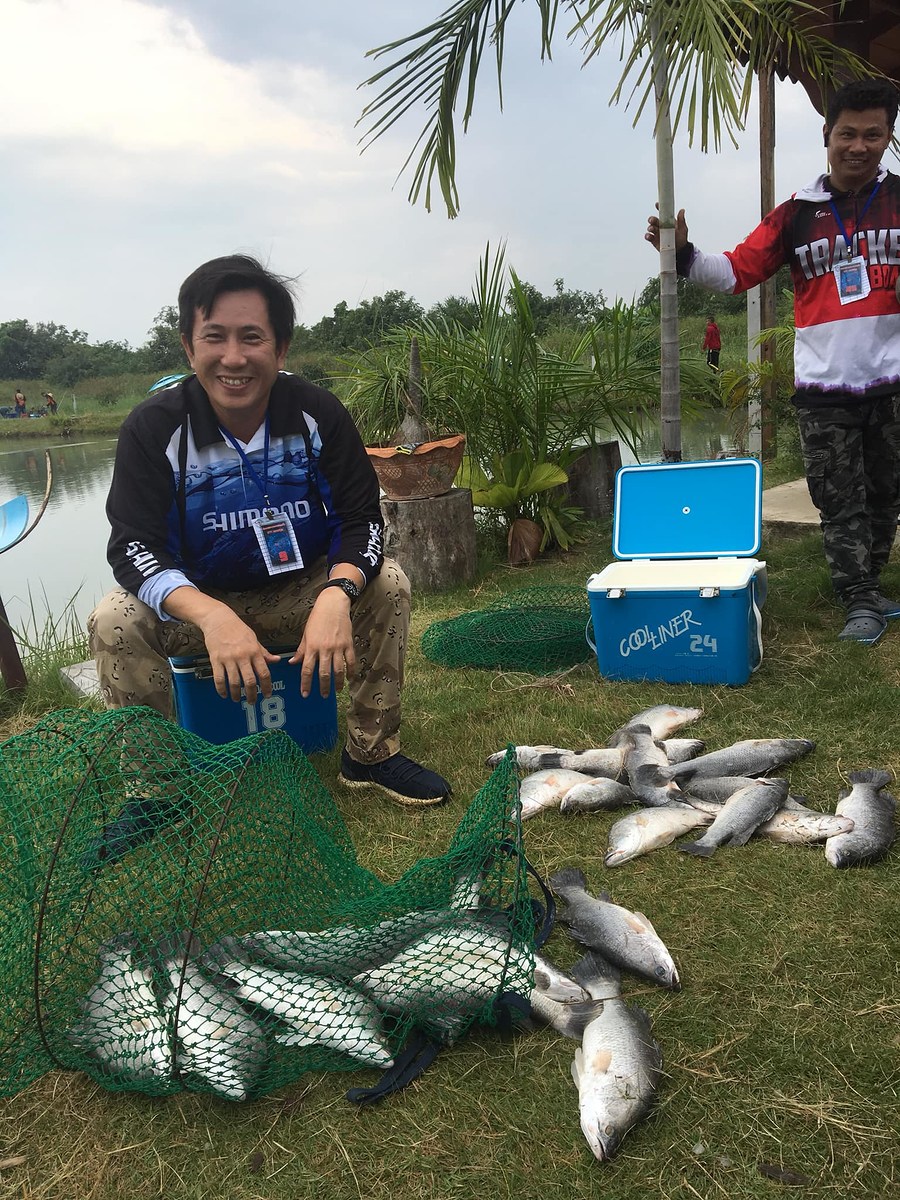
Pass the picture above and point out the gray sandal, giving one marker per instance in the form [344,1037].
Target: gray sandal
[864,625]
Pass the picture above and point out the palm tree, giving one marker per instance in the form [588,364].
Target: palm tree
[694,58]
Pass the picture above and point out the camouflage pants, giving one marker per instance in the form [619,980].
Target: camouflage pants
[851,453]
[131,648]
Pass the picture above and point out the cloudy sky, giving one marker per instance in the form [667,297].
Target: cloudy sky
[142,137]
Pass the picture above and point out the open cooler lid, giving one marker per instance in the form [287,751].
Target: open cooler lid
[688,510]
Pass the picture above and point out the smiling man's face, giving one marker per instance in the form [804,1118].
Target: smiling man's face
[234,354]
[856,143]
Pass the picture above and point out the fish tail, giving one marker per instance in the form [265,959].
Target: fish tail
[874,776]
[566,878]
[593,970]
[697,849]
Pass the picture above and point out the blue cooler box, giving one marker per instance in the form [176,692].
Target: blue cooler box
[311,722]
[683,603]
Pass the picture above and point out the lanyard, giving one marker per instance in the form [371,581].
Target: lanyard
[848,241]
[262,484]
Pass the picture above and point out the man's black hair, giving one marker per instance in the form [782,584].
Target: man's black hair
[860,95]
[236,273]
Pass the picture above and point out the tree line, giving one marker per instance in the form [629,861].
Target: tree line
[47,351]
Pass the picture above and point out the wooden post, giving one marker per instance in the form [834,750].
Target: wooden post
[432,539]
[766,80]
[10,662]
[592,479]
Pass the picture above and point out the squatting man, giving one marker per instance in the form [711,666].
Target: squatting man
[244,516]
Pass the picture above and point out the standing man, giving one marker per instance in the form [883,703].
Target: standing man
[841,237]
[245,514]
[21,403]
[712,343]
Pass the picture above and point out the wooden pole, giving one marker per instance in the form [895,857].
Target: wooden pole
[10,662]
[766,79]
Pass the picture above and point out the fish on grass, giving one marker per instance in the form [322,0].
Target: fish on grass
[123,1024]
[740,816]
[606,762]
[755,756]
[314,1011]
[444,977]
[618,1066]
[662,720]
[547,789]
[646,830]
[558,1000]
[799,826]
[646,765]
[871,809]
[601,795]
[217,1040]
[624,937]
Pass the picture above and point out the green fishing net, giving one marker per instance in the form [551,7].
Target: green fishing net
[176,915]
[538,629]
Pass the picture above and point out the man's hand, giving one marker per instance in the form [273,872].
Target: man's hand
[327,642]
[237,657]
[681,231]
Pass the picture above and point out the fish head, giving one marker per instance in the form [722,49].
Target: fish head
[601,1135]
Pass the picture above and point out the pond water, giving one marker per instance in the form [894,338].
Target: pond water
[60,570]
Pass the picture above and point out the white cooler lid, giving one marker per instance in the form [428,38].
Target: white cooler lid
[663,575]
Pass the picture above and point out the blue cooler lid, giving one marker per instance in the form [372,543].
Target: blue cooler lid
[688,510]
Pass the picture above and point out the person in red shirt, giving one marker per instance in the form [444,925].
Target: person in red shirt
[712,343]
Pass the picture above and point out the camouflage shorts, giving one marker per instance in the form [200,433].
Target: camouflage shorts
[851,453]
[132,646]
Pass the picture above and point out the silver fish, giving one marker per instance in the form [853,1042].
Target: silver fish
[626,938]
[317,1011]
[123,1024]
[740,816]
[602,761]
[799,826]
[756,756]
[618,1066]
[711,793]
[648,829]
[598,795]
[217,1040]
[344,950]
[872,811]
[447,975]
[546,789]
[559,1001]
[662,720]
[679,750]
[645,760]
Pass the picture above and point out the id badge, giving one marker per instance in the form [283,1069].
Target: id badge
[278,544]
[852,279]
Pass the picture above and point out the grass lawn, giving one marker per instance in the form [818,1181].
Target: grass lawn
[782,1047]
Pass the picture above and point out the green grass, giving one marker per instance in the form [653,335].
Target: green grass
[782,1046]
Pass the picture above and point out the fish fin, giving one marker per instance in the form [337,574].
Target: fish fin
[567,877]
[741,839]
[576,1017]
[697,849]
[577,1066]
[650,775]
[873,775]
[593,969]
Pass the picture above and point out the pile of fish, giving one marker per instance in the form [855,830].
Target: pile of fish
[213,1015]
[729,793]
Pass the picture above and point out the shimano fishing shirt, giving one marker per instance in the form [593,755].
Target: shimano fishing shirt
[182,499]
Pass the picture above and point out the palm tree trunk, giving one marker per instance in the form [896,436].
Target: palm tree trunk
[670,384]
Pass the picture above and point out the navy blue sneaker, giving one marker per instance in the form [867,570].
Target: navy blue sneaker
[402,779]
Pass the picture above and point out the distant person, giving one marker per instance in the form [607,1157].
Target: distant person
[712,343]
[245,514]
[839,235]
[52,406]
[21,403]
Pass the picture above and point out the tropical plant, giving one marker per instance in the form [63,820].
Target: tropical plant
[742,386]
[695,59]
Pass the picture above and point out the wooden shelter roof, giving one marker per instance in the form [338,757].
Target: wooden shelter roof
[870,28]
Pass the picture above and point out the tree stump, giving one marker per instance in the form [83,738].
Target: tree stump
[432,539]
[592,479]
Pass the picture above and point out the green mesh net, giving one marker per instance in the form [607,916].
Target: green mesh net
[176,915]
[536,629]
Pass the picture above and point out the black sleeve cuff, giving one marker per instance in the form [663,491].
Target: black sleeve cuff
[683,259]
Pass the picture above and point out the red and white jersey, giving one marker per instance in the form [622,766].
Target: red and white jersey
[840,349]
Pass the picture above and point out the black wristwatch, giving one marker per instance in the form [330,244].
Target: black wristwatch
[347,586]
